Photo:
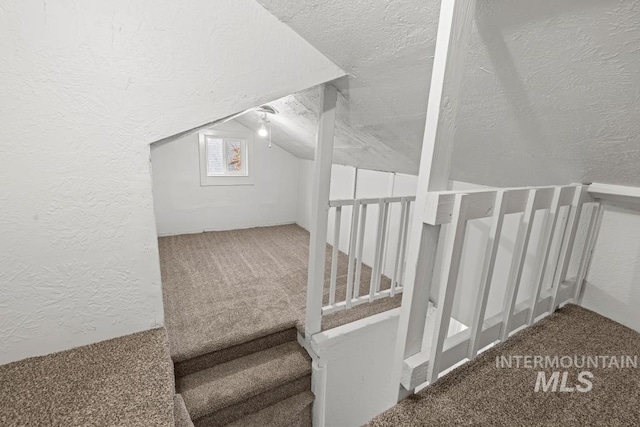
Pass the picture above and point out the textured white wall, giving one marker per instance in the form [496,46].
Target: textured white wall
[182,205]
[613,283]
[84,88]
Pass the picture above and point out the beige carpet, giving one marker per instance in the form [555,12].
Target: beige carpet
[480,393]
[126,381]
[226,288]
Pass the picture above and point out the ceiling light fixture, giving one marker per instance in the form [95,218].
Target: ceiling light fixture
[265,125]
[263,132]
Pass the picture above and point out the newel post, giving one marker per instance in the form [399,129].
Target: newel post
[320,209]
[454,30]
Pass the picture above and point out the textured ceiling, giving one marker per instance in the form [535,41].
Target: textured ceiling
[551,91]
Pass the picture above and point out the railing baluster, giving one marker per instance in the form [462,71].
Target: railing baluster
[334,255]
[567,245]
[542,266]
[363,222]
[376,256]
[576,210]
[589,244]
[493,243]
[517,265]
[383,239]
[405,234]
[451,267]
[352,252]
[557,247]
[396,273]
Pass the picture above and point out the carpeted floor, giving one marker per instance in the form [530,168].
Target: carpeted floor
[126,381]
[229,287]
[480,393]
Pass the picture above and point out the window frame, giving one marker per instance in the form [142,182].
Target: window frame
[231,179]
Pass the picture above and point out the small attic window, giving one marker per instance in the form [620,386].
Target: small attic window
[225,158]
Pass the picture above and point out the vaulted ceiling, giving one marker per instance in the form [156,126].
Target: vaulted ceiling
[551,91]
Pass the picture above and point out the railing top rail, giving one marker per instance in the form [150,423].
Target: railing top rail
[616,194]
[494,189]
[440,204]
[370,201]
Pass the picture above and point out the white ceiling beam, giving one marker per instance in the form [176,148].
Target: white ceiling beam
[454,30]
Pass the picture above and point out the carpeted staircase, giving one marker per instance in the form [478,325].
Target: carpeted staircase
[234,301]
[264,382]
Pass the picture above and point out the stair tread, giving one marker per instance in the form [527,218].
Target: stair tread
[215,388]
[227,354]
[281,414]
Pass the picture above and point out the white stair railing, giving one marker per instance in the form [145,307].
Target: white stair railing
[356,246]
[563,206]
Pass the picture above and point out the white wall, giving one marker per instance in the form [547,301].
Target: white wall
[613,283]
[182,205]
[84,88]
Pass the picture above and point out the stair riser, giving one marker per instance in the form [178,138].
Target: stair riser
[209,360]
[240,410]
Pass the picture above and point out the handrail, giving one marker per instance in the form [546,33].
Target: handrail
[615,193]
[369,201]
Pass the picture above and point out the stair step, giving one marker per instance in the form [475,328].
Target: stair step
[218,357]
[257,403]
[213,389]
[180,414]
[292,412]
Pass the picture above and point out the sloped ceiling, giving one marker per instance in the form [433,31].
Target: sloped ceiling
[551,91]
[294,129]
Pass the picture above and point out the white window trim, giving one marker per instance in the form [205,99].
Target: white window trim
[206,180]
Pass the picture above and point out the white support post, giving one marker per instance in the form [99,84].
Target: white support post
[454,30]
[320,210]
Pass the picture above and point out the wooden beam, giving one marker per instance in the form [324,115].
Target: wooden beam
[320,209]
[454,31]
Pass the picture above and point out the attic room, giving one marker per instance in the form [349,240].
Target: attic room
[261,213]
